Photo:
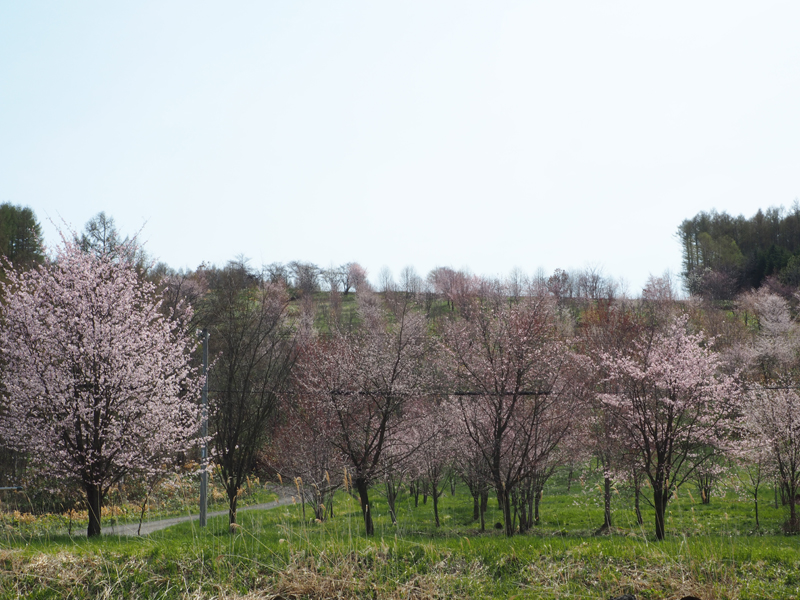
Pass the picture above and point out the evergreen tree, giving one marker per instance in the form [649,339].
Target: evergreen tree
[20,236]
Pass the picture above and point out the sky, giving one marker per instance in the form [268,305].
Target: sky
[477,135]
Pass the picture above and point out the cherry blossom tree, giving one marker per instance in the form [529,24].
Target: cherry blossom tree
[456,287]
[774,350]
[97,382]
[433,439]
[607,326]
[770,424]
[354,276]
[469,465]
[299,449]
[362,380]
[753,462]
[772,419]
[395,466]
[672,404]
[510,369]
[706,477]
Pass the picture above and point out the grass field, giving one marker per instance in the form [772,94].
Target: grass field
[711,551]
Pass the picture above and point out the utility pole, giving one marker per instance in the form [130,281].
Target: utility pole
[204,435]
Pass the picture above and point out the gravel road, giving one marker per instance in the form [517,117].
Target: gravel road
[151,526]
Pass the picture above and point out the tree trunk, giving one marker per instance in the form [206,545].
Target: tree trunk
[391,496]
[526,507]
[514,511]
[319,505]
[660,503]
[537,497]
[504,499]
[363,494]
[793,526]
[532,506]
[755,500]
[144,508]
[519,498]
[435,496]
[705,492]
[639,518]
[233,500]
[476,506]
[606,504]
[452,486]
[94,500]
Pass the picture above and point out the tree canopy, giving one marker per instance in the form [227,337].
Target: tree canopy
[97,381]
[724,255]
[20,236]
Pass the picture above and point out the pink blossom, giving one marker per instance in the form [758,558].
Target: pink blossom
[97,382]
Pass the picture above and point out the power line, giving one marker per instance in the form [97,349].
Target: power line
[366,393]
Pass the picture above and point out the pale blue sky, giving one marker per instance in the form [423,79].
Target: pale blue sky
[485,135]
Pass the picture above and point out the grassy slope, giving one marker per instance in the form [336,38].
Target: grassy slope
[711,552]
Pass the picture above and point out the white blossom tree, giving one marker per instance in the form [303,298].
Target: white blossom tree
[772,420]
[97,383]
[671,404]
[770,426]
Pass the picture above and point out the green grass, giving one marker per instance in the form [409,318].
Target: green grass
[711,551]
[178,495]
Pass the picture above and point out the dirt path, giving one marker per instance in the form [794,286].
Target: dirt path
[151,526]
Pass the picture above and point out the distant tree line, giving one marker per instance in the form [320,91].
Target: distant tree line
[725,255]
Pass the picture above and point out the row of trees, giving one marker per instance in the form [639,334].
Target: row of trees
[500,382]
[506,389]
